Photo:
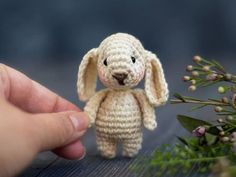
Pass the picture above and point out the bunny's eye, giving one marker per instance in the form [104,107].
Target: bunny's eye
[133,59]
[105,62]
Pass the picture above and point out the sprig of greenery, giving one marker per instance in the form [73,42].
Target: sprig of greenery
[207,73]
[183,157]
[211,144]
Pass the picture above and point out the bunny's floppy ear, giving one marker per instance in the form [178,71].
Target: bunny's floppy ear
[156,87]
[87,75]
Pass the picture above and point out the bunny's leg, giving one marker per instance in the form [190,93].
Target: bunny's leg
[107,147]
[132,146]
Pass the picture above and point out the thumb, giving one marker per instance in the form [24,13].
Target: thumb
[59,129]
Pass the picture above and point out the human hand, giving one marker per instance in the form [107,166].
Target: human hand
[34,119]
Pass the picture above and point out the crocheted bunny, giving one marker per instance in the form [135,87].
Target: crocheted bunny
[119,111]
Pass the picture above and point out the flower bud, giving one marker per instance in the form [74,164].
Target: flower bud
[218,109]
[195,74]
[211,77]
[189,68]
[192,88]
[206,68]
[225,139]
[221,90]
[197,59]
[229,118]
[220,120]
[186,78]
[199,131]
[228,76]
[193,82]
[222,133]
[225,100]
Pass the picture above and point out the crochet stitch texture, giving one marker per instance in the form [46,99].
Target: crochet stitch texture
[119,112]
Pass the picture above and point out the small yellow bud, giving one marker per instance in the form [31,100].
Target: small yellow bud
[197,58]
[221,90]
[225,100]
[206,68]
[193,82]
[186,78]
[195,73]
[222,133]
[230,118]
[192,88]
[228,76]
[220,120]
[189,68]
[225,139]
[218,109]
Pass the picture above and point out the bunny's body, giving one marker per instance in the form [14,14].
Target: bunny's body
[119,116]
[119,119]
[119,111]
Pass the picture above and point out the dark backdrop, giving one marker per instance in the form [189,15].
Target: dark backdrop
[46,39]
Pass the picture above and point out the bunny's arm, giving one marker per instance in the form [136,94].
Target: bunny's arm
[93,105]
[148,112]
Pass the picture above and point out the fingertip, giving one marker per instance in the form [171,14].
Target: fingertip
[72,151]
[79,121]
[86,119]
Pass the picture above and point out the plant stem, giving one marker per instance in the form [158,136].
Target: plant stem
[173,101]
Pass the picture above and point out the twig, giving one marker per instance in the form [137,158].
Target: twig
[174,101]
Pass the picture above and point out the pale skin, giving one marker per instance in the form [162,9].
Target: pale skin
[34,119]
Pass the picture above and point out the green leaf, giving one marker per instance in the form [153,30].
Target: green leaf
[190,123]
[218,65]
[178,96]
[210,138]
[182,140]
[198,107]
[226,114]
[209,83]
[191,98]
[213,130]
[206,62]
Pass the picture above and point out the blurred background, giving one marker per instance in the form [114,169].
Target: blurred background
[47,39]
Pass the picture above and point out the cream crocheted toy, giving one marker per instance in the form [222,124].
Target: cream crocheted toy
[119,111]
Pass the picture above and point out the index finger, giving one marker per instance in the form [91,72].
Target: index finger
[29,95]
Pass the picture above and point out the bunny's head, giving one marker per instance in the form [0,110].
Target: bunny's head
[121,63]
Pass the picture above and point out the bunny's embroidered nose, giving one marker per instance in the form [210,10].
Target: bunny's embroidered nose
[120,77]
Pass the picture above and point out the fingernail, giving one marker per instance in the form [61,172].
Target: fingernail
[82,157]
[78,122]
